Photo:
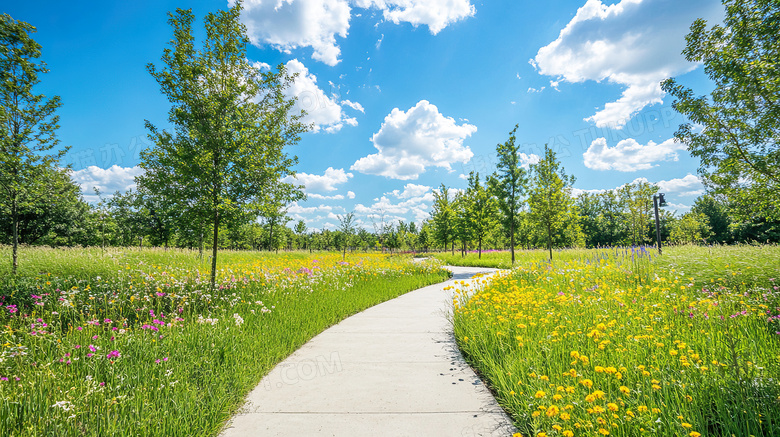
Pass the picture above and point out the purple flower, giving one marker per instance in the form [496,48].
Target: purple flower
[113,354]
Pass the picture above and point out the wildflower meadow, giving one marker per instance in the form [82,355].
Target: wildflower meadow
[124,342]
[621,342]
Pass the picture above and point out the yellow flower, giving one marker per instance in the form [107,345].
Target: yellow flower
[567,433]
[535,414]
[552,411]
[603,431]
[590,398]
[694,434]
[557,397]
[539,394]
[587,383]
[612,407]
[541,434]
[686,425]
[625,390]
[641,409]
[565,416]
[656,386]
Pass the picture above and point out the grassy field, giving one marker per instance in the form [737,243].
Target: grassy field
[136,343]
[624,343]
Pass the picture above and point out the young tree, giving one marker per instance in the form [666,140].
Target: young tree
[347,229]
[231,121]
[549,199]
[637,200]
[442,217]
[508,185]
[482,210]
[28,126]
[739,146]
[690,228]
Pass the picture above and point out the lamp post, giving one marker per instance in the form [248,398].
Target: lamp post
[658,200]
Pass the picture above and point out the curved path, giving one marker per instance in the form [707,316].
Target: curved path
[392,370]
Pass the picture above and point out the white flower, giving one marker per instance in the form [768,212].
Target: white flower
[65,405]
[239,319]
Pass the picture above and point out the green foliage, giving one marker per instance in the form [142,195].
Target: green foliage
[481,210]
[691,228]
[231,121]
[28,126]
[637,200]
[738,146]
[508,185]
[443,217]
[552,209]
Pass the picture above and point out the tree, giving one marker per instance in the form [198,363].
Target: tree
[28,125]
[690,228]
[442,216]
[347,228]
[717,217]
[637,201]
[738,145]
[549,199]
[508,185]
[482,210]
[231,122]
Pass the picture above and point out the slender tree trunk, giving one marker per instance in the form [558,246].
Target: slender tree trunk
[453,248]
[15,219]
[480,248]
[512,238]
[200,245]
[214,248]
[549,240]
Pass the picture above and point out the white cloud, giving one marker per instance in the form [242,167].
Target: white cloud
[414,208]
[410,191]
[323,112]
[633,43]
[576,192]
[321,197]
[410,141]
[350,195]
[629,155]
[295,208]
[320,183]
[107,180]
[436,14]
[354,105]
[690,185]
[290,24]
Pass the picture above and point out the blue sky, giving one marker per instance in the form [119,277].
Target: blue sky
[404,94]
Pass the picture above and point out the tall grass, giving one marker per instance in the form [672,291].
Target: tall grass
[623,343]
[136,343]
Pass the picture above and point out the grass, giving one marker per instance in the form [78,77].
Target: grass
[623,343]
[135,343]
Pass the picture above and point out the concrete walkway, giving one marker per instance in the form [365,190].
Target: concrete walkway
[392,370]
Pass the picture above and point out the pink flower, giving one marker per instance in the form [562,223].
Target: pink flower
[113,354]
[89,355]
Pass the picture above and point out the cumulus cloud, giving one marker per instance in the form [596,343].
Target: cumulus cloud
[410,191]
[632,43]
[629,155]
[436,14]
[326,182]
[414,208]
[690,185]
[321,197]
[322,111]
[350,195]
[107,180]
[290,24]
[410,141]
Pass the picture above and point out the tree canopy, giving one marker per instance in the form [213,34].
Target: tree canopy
[735,131]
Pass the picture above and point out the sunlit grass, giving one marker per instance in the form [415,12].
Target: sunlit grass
[136,343]
[619,344]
